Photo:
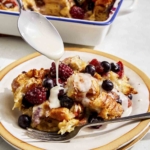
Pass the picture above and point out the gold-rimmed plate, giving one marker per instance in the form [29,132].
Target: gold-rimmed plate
[113,136]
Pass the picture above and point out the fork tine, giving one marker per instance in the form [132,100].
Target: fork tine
[41,132]
[46,137]
[50,136]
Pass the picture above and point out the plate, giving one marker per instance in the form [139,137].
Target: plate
[132,143]
[119,133]
[126,147]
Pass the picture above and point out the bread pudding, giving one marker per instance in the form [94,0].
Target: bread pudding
[95,10]
[10,5]
[89,91]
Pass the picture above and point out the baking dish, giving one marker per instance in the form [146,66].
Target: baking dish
[75,31]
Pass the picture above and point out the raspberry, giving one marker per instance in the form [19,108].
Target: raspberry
[64,71]
[9,3]
[77,12]
[121,69]
[36,95]
[59,80]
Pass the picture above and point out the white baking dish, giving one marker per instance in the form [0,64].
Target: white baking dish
[74,31]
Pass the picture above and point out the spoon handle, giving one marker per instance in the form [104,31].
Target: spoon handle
[20,5]
[128,118]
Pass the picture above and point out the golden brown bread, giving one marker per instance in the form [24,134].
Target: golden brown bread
[81,85]
[61,114]
[76,63]
[106,106]
[25,81]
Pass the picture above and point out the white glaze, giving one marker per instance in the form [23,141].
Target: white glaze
[43,37]
[54,101]
[82,81]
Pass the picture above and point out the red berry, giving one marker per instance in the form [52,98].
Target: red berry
[36,95]
[121,69]
[9,3]
[55,82]
[98,67]
[77,12]
[64,71]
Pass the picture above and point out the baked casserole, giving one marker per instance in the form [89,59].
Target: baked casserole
[95,10]
[90,91]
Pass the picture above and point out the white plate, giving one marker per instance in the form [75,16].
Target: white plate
[114,135]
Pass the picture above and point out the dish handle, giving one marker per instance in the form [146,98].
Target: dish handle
[128,9]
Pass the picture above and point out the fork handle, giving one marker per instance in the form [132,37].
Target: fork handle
[142,116]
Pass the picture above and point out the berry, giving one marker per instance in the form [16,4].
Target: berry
[55,82]
[119,101]
[61,93]
[64,71]
[121,71]
[106,66]
[130,96]
[24,121]
[107,85]
[77,12]
[36,95]
[90,69]
[26,103]
[115,67]
[93,118]
[48,83]
[97,65]
[9,4]
[118,68]
[66,101]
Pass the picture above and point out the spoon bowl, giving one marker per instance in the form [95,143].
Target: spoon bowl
[40,34]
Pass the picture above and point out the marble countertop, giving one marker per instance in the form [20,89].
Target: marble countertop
[127,38]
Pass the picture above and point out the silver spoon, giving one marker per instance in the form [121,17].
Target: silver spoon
[39,33]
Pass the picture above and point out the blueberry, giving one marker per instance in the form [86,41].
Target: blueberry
[90,69]
[48,83]
[93,118]
[61,93]
[66,101]
[106,66]
[24,121]
[130,96]
[119,101]
[107,85]
[115,67]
